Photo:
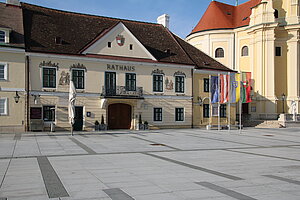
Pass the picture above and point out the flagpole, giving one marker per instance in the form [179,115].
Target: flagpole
[240,102]
[219,101]
[210,106]
[240,113]
[229,99]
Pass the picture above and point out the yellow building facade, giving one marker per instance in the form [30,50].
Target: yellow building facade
[13,93]
[127,74]
[95,99]
[205,113]
[261,37]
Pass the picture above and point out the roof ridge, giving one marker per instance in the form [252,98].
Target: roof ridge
[218,2]
[219,16]
[99,36]
[88,15]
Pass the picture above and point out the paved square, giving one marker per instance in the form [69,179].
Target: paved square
[181,164]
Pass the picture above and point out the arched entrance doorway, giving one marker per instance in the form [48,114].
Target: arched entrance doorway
[119,116]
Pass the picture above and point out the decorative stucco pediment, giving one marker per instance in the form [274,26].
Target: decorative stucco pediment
[118,41]
[263,13]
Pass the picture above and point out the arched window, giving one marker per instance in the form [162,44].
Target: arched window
[276,14]
[2,36]
[219,53]
[245,51]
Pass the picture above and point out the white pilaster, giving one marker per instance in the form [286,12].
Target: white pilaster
[293,66]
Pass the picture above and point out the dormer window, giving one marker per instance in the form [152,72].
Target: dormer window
[58,40]
[2,37]
[168,51]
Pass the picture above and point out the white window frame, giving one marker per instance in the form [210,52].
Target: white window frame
[184,83]
[183,115]
[163,87]
[55,116]
[84,76]
[5,106]
[162,116]
[5,72]
[6,35]
[56,79]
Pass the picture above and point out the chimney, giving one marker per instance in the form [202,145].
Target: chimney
[164,20]
[13,2]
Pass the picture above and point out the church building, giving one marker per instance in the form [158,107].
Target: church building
[261,37]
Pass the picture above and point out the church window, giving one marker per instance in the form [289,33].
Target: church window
[245,51]
[219,53]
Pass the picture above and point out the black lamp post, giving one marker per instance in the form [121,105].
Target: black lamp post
[17,97]
[283,99]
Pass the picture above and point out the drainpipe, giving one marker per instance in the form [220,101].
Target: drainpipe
[234,52]
[192,72]
[27,111]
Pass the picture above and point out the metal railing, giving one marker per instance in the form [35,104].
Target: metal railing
[122,91]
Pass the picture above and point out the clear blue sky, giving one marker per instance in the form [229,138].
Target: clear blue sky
[184,14]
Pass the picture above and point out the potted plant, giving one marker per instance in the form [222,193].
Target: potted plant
[97,125]
[103,126]
[146,125]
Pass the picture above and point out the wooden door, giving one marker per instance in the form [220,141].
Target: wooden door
[245,108]
[119,116]
[78,120]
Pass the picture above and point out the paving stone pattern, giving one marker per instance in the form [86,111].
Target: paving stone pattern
[181,164]
[52,182]
[117,194]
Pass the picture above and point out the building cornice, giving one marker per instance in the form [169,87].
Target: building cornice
[107,60]
[11,50]
[98,95]
[214,72]
[2,89]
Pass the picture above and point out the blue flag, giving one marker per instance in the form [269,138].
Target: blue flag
[233,86]
[214,89]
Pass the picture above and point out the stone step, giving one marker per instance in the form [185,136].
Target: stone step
[262,124]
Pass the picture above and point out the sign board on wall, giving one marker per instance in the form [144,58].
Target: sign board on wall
[128,68]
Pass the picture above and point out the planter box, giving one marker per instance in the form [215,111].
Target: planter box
[103,127]
[140,127]
[97,127]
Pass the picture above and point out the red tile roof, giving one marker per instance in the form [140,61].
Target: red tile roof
[11,17]
[223,16]
[77,31]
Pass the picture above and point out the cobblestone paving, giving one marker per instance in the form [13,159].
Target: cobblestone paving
[181,164]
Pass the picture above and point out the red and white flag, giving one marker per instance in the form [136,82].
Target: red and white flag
[224,88]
